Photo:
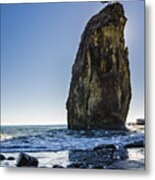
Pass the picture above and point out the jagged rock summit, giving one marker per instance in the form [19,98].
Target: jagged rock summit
[100,89]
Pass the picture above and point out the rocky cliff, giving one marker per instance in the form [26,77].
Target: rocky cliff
[100,89]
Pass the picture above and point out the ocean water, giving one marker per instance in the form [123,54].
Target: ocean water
[55,144]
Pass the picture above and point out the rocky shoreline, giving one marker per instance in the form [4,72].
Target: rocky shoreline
[93,149]
[104,156]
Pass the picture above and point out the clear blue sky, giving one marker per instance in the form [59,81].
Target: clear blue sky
[38,48]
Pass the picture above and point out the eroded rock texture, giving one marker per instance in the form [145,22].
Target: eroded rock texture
[100,89]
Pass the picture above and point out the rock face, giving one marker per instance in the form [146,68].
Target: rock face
[100,89]
[24,160]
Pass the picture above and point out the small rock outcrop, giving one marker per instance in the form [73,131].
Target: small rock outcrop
[2,157]
[100,89]
[136,144]
[10,158]
[57,166]
[24,160]
[105,146]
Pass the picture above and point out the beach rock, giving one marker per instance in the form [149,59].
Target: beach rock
[102,146]
[97,167]
[10,158]
[120,154]
[100,89]
[136,144]
[25,160]
[88,157]
[127,164]
[57,166]
[2,157]
[77,165]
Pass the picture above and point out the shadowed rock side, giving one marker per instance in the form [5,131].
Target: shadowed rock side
[100,89]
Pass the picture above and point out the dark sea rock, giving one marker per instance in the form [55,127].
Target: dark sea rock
[2,157]
[57,166]
[127,164]
[77,165]
[10,158]
[97,167]
[120,154]
[102,146]
[25,160]
[87,158]
[100,89]
[96,159]
[136,144]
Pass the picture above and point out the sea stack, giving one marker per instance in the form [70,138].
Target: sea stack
[100,89]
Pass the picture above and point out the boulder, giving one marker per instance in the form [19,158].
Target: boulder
[85,158]
[57,166]
[10,158]
[100,89]
[2,157]
[77,165]
[120,154]
[105,146]
[25,160]
[136,144]
[97,167]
